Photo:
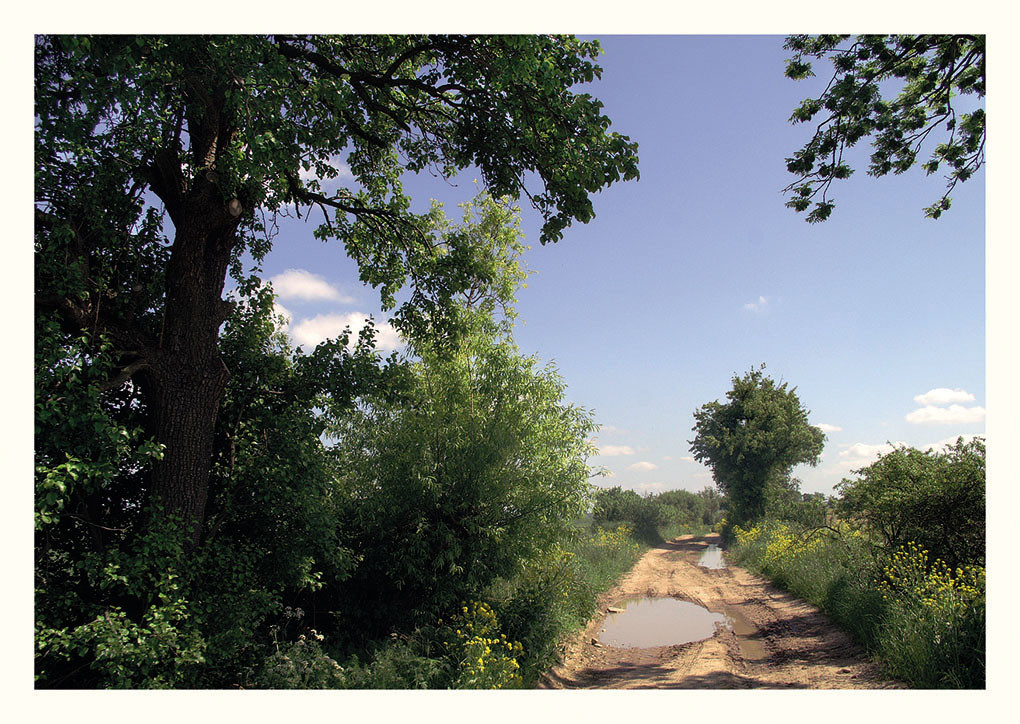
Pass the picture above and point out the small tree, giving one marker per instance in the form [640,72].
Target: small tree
[754,440]
[935,499]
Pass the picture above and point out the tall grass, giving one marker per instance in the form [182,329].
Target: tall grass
[925,623]
[557,595]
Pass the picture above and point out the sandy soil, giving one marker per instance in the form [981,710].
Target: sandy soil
[776,641]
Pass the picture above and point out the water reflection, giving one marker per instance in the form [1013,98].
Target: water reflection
[648,622]
[712,557]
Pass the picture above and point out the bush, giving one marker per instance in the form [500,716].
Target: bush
[933,499]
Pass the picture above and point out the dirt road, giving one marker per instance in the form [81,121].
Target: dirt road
[773,640]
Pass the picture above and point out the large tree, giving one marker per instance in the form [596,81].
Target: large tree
[161,162]
[753,440]
[928,72]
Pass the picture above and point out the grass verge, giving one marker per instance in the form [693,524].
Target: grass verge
[923,622]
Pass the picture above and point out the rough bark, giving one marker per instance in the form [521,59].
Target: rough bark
[188,373]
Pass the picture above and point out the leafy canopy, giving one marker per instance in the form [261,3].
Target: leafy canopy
[753,440]
[270,120]
[930,72]
[935,499]
[162,163]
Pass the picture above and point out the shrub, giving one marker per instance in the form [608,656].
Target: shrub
[934,499]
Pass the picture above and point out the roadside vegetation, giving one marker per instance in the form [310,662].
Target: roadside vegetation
[898,561]
[218,508]
[437,533]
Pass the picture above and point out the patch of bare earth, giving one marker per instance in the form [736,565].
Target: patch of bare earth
[776,641]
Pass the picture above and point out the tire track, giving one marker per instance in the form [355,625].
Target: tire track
[773,639]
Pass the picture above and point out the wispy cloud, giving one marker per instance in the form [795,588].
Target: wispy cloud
[302,285]
[943,396]
[952,415]
[826,427]
[611,429]
[758,306]
[667,457]
[606,450]
[688,459]
[309,332]
[643,465]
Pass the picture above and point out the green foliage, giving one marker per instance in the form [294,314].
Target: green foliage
[556,594]
[300,664]
[475,470]
[753,441]
[214,135]
[482,469]
[931,70]
[785,502]
[251,114]
[660,516]
[935,499]
[485,658]
[924,621]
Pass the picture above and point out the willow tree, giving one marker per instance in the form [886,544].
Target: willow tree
[161,162]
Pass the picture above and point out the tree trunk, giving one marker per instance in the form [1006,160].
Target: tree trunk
[189,375]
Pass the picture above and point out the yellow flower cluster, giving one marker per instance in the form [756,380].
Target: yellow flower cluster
[779,541]
[748,536]
[488,660]
[613,538]
[910,576]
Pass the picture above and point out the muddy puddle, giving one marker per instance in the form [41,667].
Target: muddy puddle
[748,638]
[648,622]
[712,557]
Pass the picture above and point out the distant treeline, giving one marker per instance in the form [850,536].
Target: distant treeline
[655,515]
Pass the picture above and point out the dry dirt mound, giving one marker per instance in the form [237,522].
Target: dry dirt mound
[775,641]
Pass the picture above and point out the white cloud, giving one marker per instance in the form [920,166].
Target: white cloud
[688,459]
[861,454]
[954,414]
[305,286]
[309,332]
[942,444]
[667,457]
[826,427]
[616,450]
[282,311]
[343,170]
[610,429]
[758,306]
[643,465]
[943,396]
[645,488]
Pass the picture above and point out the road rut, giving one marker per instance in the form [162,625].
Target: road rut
[776,641]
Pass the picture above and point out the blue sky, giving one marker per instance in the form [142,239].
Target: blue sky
[698,271]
